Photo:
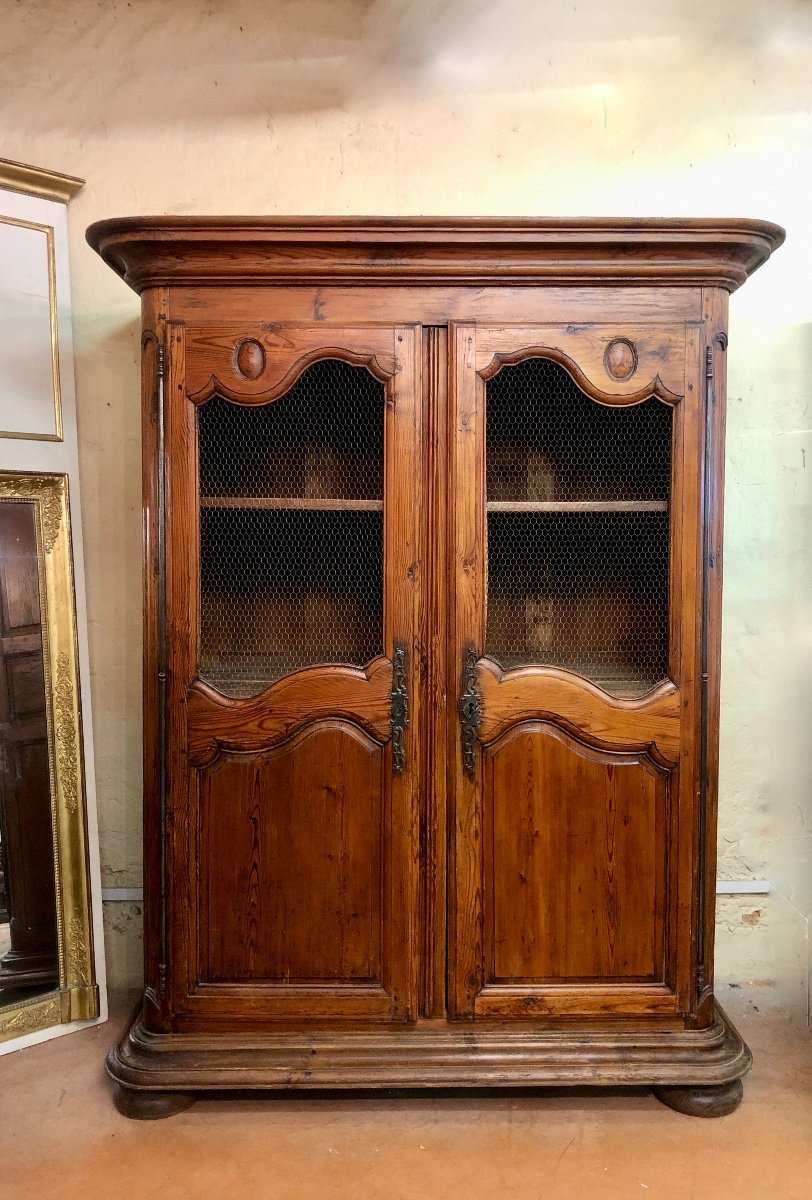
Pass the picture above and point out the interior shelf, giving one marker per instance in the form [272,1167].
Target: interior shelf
[305,504]
[576,506]
[585,589]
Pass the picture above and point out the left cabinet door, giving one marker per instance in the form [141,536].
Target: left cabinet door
[293,536]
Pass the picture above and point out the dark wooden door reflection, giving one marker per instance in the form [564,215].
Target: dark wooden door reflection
[28,941]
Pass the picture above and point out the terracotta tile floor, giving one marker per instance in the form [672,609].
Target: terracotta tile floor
[61,1138]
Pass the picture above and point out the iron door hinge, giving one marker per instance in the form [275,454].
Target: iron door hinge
[470,708]
[399,708]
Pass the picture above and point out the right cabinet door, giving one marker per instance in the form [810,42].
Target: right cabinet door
[575,500]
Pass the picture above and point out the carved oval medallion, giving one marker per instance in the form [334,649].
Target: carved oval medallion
[620,359]
[250,358]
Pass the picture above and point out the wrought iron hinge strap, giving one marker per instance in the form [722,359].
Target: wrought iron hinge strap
[470,710]
[399,708]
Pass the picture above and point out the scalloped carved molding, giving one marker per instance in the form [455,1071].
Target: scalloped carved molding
[357,696]
[655,387]
[278,373]
[649,723]
[309,728]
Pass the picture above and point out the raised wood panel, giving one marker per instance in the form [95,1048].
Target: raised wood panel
[26,684]
[291,853]
[575,842]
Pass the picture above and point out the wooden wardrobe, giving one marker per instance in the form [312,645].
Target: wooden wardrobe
[433,538]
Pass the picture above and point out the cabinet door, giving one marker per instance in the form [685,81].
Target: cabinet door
[293,592]
[573,637]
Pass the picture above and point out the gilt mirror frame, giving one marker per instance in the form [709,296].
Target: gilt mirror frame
[77,996]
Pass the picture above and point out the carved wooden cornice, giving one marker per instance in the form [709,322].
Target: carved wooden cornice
[466,251]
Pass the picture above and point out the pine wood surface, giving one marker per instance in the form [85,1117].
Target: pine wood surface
[530,912]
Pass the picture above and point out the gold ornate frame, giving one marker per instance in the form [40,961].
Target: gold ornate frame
[77,997]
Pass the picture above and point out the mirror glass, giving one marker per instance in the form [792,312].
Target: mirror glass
[28,928]
[29,398]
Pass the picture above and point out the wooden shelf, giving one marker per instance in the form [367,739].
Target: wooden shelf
[303,504]
[576,506]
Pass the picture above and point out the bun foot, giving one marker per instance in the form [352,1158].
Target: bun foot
[141,1105]
[702,1101]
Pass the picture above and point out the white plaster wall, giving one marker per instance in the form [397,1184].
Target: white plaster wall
[635,107]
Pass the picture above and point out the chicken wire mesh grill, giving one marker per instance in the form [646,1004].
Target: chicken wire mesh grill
[322,440]
[291,529]
[578,530]
[584,591]
[547,440]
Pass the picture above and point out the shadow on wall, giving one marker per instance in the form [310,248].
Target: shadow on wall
[765,818]
[249,58]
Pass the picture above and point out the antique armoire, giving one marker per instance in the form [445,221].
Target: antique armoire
[433,537]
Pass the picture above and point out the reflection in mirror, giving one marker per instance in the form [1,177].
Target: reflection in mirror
[28,928]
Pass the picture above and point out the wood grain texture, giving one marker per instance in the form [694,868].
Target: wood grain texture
[287,350]
[715,307]
[227,251]
[595,823]
[219,723]
[466,630]
[282,734]
[312,892]
[440,305]
[577,506]
[583,708]
[437,686]
[298,896]
[522,704]
[435,1054]
[153,338]
[582,350]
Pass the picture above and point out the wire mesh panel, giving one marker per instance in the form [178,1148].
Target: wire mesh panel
[578,529]
[291,529]
[547,440]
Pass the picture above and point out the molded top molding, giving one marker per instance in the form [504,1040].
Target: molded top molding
[477,251]
[37,181]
